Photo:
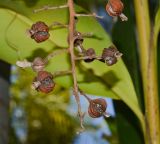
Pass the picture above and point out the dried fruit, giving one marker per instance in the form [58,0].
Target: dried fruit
[44,82]
[115,8]
[39,32]
[110,55]
[38,64]
[97,107]
[78,39]
[90,53]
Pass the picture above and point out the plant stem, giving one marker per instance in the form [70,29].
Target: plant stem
[149,71]
[71,51]
[152,92]
[55,53]
[88,57]
[61,73]
[50,8]
[89,15]
[82,93]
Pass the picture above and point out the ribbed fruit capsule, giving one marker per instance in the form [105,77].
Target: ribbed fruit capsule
[91,53]
[78,39]
[39,32]
[110,55]
[97,108]
[114,8]
[44,82]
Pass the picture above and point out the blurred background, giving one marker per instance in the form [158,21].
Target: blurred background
[28,117]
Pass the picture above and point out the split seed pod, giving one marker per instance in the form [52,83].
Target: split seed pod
[114,8]
[110,55]
[44,82]
[97,108]
[39,32]
[78,39]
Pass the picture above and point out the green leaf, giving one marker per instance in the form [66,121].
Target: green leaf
[157,21]
[156,27]
[158,53]
[157,43]
[127,125]
[95,78]
[126,120]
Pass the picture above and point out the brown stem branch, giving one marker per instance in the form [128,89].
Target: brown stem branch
[88,57]
[71,51]
[89,15]
[50,8]
[54,53]
[60,73]
[58,24]
[82,93]
[87,35]
[24,63]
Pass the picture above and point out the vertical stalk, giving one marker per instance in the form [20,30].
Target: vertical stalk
[149,71]
[71,51]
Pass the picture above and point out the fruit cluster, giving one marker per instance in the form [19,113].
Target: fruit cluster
[43,82]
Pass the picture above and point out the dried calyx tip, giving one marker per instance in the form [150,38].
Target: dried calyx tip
[35,85]
[23,64]
[118,54]
[105,114]
[123,17]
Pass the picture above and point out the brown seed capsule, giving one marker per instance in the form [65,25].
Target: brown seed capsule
[97,107]
[114,8]
[44,82]
[91,53]
[78,39]
[39,32]
[38,64]
[110,55]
